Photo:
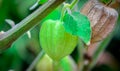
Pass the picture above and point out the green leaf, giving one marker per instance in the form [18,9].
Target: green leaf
[42,1]
[78,24]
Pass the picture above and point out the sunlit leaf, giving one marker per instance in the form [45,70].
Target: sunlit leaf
[78,24]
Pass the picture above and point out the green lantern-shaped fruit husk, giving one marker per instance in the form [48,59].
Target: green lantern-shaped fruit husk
[55,41]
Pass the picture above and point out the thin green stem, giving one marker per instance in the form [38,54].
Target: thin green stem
[35,5]
[64,11]
[98,52]
[106,2]
[81,54]
[73,4]
[70,6]
[109,2]
[32,66]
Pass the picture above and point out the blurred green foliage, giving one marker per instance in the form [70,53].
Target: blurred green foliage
[42,1]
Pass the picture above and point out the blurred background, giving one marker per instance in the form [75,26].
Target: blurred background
[24,50]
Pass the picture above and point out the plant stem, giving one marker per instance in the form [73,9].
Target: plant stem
[100,49]
[73,4]
[70,6]
[63,12]
[40,55]
[107,3]
[10,36]
[97,53]
[81,54]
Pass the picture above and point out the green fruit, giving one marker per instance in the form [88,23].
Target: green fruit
[46,64]
[68,64]
[55,41]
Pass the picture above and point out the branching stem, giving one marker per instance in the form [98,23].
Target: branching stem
[26,24]
[66,5]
